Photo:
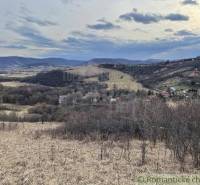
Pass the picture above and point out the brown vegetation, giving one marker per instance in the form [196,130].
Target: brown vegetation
[151,120]
[29,157]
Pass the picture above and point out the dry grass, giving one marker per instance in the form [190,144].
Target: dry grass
[117,78]
[19,110]
[14,84]
[88,70]
[19,74]
[27,157]
[122,81]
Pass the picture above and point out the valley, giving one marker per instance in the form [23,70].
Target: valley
[110,119]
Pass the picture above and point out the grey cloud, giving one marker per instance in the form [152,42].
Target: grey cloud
[176,17]
[190,2]
[102,47]
[27,17]
[15,45]
[168,30]
[39,22]
[32,36]
[141,18]
[152,18]
[185,33]
[103,25]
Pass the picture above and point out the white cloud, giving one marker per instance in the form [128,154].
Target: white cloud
[56,20]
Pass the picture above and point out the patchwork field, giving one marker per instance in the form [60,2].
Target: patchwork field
[29,157]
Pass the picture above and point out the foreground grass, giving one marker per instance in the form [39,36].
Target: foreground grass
[29,157]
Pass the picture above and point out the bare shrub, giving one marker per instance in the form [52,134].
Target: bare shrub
[149,120]
[143,152]
[8,126]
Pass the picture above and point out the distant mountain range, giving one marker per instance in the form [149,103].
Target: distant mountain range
[14,62]
[22,62]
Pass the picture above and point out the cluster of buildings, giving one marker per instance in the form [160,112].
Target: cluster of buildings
[89,98]
[182,93]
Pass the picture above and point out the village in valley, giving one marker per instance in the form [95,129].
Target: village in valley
[99,114]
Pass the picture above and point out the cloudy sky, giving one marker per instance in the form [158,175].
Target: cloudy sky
[85,29]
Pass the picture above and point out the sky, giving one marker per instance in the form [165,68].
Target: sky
[86,29]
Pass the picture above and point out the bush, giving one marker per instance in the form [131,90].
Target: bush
[30,95]
[151,120]
[46,112]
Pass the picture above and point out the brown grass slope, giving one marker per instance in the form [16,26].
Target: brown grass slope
[27,157]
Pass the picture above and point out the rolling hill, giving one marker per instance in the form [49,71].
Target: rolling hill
[121,61]
[14,62]
[151,74]
[117,78]
[181,74]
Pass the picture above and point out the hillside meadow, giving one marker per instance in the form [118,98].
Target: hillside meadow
[117,79]
[28,156]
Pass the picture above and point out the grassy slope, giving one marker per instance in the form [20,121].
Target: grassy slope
[120,79]
[28,158]
[163,75]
